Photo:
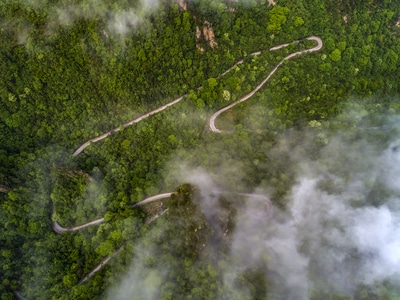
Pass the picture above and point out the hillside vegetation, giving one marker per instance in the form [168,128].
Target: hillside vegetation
[73,70]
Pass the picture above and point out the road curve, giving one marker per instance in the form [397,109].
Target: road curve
[157,110]
[258,87]
[59,229]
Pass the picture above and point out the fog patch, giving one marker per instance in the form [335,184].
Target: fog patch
[347,246]
[341,228]
[141,281]
[269,242]
[120,19]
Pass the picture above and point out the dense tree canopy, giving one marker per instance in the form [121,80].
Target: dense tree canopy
[73,71]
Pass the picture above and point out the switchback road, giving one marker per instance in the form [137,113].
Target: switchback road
[258,87]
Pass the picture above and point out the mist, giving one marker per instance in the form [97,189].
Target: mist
[119,19]
[140,282]
[339,232]
[341,228]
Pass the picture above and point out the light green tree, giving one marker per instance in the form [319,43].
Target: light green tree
[336,55]
[298,21]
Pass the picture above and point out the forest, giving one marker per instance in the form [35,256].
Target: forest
[74,70]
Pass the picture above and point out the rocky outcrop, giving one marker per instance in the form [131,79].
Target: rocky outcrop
[207,34]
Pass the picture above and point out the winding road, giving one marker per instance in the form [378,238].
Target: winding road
[215,115]
[258,87]
[59,229]
[262,214]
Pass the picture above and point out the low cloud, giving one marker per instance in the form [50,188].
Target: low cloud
[120,19]
[140,282]
[333,236]
[341,228]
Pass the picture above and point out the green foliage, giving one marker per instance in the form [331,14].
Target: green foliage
[61,85]
[335,55]
[278,18]
[298,21]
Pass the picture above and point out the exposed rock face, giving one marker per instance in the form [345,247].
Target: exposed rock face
[271,2]
[345,18]
[208,33]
